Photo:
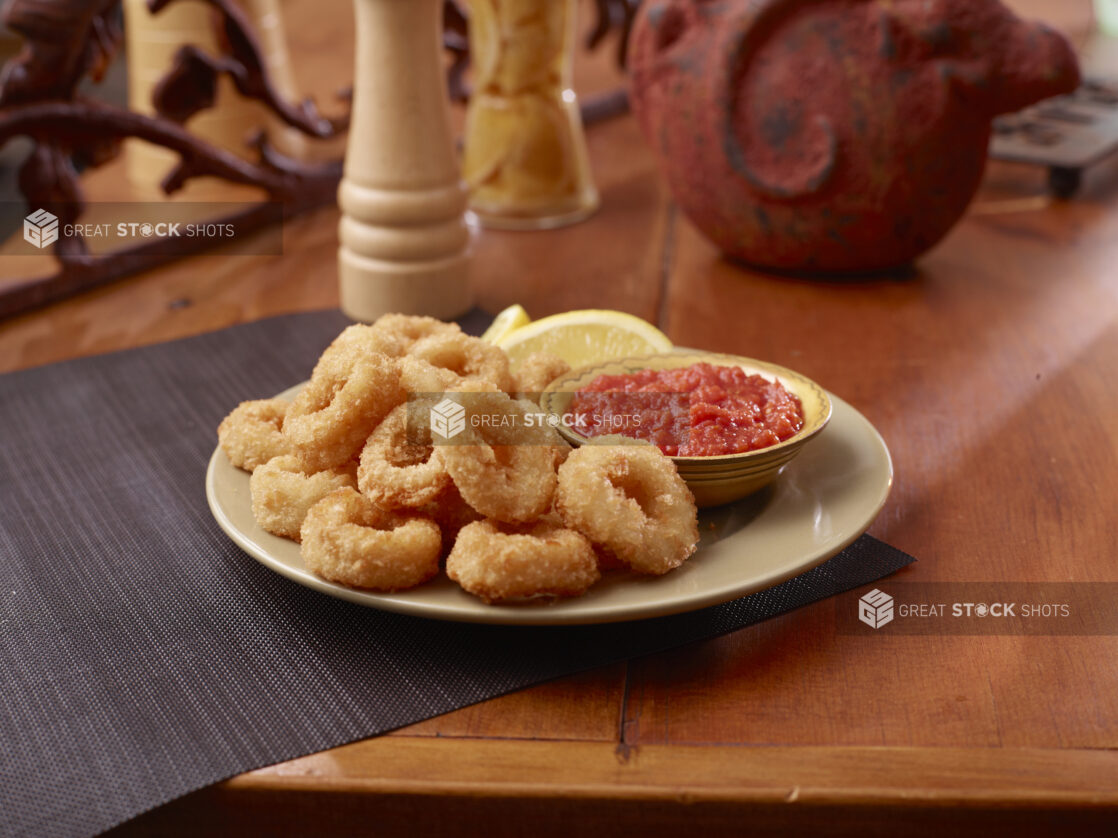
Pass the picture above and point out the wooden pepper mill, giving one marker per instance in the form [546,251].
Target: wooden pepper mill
[404,239]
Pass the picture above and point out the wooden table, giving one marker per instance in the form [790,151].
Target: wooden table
[990,373]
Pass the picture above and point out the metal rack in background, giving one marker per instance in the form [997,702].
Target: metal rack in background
[1066,135]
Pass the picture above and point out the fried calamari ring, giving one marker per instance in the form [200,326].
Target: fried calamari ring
[330,419]
[355,343]
[396,473]
[504,462]
[607,561]
[630,500]
[348,539]
[451,513]
[467,357]
[403,330]
[419,378]
[253,433]
[282,493]
[499,563]
[537,371]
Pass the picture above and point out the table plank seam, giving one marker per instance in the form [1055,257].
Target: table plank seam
[667,257]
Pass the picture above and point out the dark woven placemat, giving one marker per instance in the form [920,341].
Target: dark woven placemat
[142,655]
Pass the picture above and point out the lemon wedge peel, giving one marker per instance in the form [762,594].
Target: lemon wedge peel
[584,337]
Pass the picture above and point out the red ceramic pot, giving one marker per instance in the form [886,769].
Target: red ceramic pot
[832,136]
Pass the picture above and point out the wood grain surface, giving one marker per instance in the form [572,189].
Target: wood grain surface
[990,372]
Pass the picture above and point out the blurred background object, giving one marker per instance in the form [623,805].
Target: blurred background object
[1065,134]
[795,142]
[151,44]
[43,96]
[235,85]
[322,54]
[1106,13]
[525,157]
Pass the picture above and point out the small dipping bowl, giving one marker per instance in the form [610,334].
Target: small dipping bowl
[723,478]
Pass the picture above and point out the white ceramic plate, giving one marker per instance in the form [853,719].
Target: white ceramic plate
[822,502]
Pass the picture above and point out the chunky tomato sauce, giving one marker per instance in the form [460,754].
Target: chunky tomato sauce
[697,411]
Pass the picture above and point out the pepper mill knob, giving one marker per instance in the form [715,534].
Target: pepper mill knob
[404,238]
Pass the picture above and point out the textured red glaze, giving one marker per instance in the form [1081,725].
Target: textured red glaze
[832,135]
[698,411]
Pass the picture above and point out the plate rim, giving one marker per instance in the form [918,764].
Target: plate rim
[555,615]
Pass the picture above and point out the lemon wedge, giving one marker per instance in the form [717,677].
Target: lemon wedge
[584,337]
[510,319]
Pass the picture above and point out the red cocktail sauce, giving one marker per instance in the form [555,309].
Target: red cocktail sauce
[697,411]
